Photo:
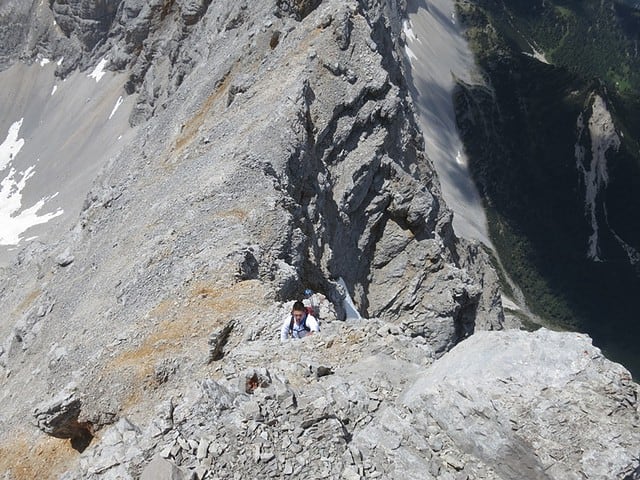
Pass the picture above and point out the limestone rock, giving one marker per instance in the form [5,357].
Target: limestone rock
[89,21]
[59,417]
[239,85]
[276,150]
[192,10]
[161,469]
[342,27]
[217,341]
[534,405]
[218,394]
[298,9]
[65,258]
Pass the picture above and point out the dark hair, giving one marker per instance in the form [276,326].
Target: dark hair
[298,306]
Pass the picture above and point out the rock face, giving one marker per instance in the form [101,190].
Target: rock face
[277,151]
[501,399]
[59,418]
[492,408]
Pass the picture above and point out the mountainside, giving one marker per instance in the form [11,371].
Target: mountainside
[552,137]
[190,167]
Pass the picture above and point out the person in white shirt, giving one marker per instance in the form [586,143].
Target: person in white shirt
[299,324]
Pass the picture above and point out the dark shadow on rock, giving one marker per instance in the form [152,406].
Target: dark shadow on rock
[82,440]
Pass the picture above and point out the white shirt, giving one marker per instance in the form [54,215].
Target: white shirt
[298,330]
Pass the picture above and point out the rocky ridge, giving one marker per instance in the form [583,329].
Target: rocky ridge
[245,187]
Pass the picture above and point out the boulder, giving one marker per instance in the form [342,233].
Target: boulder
[65,258]
[161,469]
[217,341]
[59,418]
[534,405]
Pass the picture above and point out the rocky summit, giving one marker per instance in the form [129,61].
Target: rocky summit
[234,155]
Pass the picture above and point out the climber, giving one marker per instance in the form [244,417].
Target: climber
[299,324]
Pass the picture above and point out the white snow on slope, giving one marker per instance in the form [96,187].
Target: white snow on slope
[408,32]
[438,55]
[349,307]
[116,106]
[536,54]
[410,55]
[410,36]
[11,145]
[72,136]
[13,221]
[98,71]
[595,175]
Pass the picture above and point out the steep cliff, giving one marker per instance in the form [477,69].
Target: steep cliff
[262,149]
[552,136]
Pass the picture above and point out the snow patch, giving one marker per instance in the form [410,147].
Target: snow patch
[408,32]
[595,176]
[349,307]
[536,54]
[11,145]
[44,62]
[632,253]
[59,62]
[98,71]
[116,106]
[53,90]
[410,55]
[509,304]
[14,222]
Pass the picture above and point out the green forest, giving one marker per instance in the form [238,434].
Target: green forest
[520,132]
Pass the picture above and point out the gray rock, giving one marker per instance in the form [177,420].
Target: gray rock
[164,370]
[297,9]
[59,418]
[314,171]
[322,371]
[161,469]
[217,394]
[192,10]
[342,27]
[164,419]
[217,341]
[240,84]
[203,448]
[65,258]
[534,405]
[88,21]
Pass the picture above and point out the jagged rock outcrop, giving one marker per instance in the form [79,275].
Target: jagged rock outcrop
[86,20]
[281,154]
[479,412]
[298,9]
[501,399]
[59,418]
